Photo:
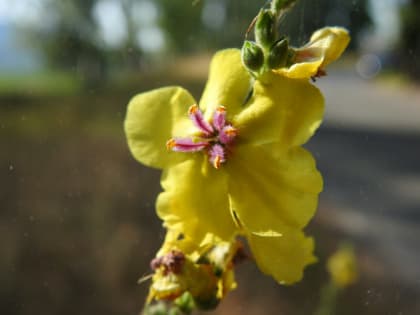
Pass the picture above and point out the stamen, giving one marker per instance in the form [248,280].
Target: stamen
[185,145]
[215,138]
[193,109]
[197,118]
[217,155]
[173,261]
[228,134]
[156,263]
[171,143]
[217,161]
[219,118]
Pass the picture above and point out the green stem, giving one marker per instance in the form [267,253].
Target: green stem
[328,300]
[278,6]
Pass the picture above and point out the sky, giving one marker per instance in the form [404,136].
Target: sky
[150,38]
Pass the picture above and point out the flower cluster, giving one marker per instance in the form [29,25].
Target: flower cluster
[205,270]
[233,165]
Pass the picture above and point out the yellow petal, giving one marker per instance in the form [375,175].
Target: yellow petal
[195,200]
[283,257]
[152,119]
[326,45]
[174,240]
[298,168]
[284,110]
[268,194]
[302,70]
[330,42]
[229,83]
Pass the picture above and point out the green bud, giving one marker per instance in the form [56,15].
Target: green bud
[159,308]
[252,56]
[278,54]
[278,5]
[265,28]
[207,303]
[185,303]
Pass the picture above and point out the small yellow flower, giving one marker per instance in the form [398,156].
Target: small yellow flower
[233,164]
[325,46]
[342,266]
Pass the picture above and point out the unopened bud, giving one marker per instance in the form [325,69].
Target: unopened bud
[278,5]
[252,56]
[206,303]
[265,32]
[278,54]
[185,303]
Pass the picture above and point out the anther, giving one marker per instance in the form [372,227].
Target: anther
[217,161]
[170,144]
[193,109]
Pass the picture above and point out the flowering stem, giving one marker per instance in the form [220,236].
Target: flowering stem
[279,6]
[269,51]
[328,300]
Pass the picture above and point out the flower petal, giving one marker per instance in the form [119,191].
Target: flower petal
[229,83]
[283,257]
[302,70]
[298,168]
[283,110]
[195,200]
[268,194]
[326,45]
[152,119]
[330,42]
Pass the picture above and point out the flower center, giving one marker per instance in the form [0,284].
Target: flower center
[214,138]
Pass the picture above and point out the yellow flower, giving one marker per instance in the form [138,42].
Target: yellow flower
[235,163]
[342,267]
[326,45]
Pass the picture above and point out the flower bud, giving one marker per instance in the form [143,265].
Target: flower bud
[278,5]
[252,56]
[265,32]
[278,54]
[207,303]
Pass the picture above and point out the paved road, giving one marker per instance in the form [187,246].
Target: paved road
[369,152]
[360,104]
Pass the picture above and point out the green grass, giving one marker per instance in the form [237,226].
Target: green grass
[51,83]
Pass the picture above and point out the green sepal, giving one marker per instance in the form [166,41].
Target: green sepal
[278,54]
[185,303]
[208,303]
[252,56]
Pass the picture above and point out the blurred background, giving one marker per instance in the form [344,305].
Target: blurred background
[77,221]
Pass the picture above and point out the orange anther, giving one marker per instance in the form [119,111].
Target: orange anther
[221,109]
[231,131]
[217,161]
[193,109]
[170,144]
